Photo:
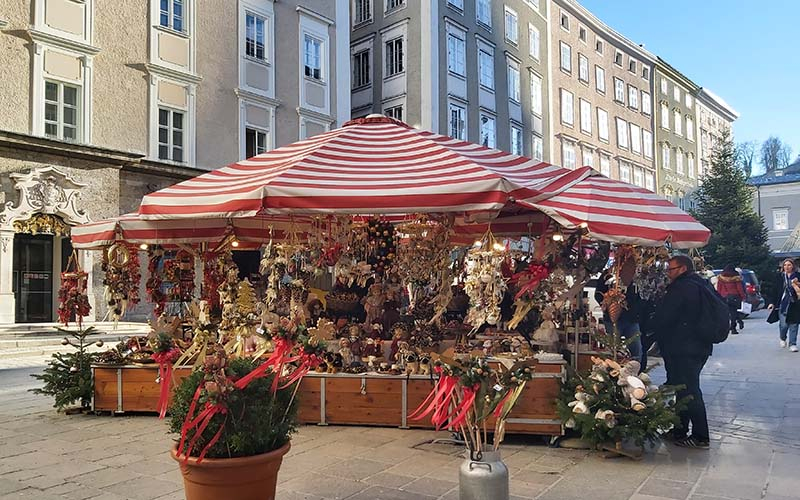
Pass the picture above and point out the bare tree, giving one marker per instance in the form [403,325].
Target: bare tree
[775,154]
[745,153]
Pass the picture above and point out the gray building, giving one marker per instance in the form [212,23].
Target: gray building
[776,197]
[472,69]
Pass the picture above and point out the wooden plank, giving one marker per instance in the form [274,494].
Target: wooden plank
[105,388]
[140,392]
[309,398]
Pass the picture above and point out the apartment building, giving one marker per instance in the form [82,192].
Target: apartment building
[676,134]
[714,117]
[602,97]
[102,102]
[472,69]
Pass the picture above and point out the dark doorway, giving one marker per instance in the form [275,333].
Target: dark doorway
[33,278]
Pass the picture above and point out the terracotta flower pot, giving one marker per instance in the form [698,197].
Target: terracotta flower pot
[242,478]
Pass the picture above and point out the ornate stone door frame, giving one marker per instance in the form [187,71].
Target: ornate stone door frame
[41,192]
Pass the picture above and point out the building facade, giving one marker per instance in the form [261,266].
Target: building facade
[776,198]
[602,94]
[106,103]
[714,117]
[475,70]
[676,130]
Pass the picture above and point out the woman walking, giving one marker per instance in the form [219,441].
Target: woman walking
[730,287]
[785,300]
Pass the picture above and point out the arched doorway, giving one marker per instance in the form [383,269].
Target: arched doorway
[35,245]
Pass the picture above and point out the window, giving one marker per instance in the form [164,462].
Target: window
[534,41]
[647,143]
[588,158]
[664,115]
[619,90]
[622,133]
[645,72]
[618,58]
[638,177]
[650,182]
[487,131]
[583,68]
[394,57]
[665,161]
[361,70]
[254,37]
[456,53]
[394,4]
[646,104]
[486,67]
[564,21]
[582,34]
[570,161]
[458,122]
[255,142]
[633,97]
[636,139]
[602,124]
[395,112]
[586,116]
[605,165]
[668,194]
[511,26]
[681,200]
[567,111]
[632,66]
[690,165]
[537,148]
[676,93]
[172,14]
[513,81]
[536,94]
[458,4]
[516,140]
[624,172]
[598,46]
[566,57]
[484,12]
[61,111]
[663,86]
[170,135]
[688,100]
[689,128]
[533,4]
[678,122]
[679,161]
[312,57]
[362,11]
[600,79]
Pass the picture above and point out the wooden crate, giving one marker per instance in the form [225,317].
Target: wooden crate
[129,388]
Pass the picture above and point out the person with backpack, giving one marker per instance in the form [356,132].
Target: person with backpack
[731,288]
[785,299]
[682,332]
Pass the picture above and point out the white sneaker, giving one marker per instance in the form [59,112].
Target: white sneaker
[783,343]
[793,348]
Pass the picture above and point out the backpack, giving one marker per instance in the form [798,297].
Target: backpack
[714,322]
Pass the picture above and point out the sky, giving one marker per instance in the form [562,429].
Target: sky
[746,52]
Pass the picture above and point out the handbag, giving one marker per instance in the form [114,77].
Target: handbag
[774,316]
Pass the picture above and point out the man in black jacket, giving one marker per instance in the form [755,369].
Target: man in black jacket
[684,351]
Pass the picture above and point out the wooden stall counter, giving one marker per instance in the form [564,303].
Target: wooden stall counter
[121,388]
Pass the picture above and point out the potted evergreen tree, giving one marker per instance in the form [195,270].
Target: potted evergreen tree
[235,418]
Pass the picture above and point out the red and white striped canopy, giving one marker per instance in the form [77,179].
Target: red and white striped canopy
[373,165]
[620,212]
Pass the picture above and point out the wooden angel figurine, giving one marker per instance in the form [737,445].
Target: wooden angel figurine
[373,303]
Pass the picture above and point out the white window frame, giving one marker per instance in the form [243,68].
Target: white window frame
[679,162]
[537,147]
[583,33]
[636,138]
[60,107]
[265,26]
[568,155]
[170,13]
[676,93]
[486,69]
[567,107]
[690,128]
[565,58]
[664,115]
[536,94]
[534,41]
[647,143]
[483,7]
[458,112]
[394,65]
[633,97]
[602,124]
[638,176]
[622,133]
[364,15]
[314,60]
[645,72]
[599,45]
[664,86]
[605,165]
[396,111]
[258,131]
[513,75]
[512,28]
[564,21]
[618,56]
[456,51]
[488,134]
[170,145]
[458,4]
[600,79]
[391,6]
[619,91]
[588,158]
[517,143]
[586,116]
[624,172]
[665,157]
[647,104]
[583,68]
[632,65]
[690,166]
[678,119]
[650,181]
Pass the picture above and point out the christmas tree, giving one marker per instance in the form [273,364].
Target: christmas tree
[68,376]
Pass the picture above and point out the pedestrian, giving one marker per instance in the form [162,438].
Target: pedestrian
[628,322]
[684,350]
[731,288]
[785,299]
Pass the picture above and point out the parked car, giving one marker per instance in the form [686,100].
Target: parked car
[752,287]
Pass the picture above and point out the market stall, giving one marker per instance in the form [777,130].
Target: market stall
[397,247]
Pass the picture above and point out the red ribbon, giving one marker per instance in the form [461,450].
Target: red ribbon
[463,408]
[279,357]
[531,277]
[307,363]
[438,401]
[499,408]
[165,360]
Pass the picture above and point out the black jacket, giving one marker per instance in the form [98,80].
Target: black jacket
[676,318]
[793,314]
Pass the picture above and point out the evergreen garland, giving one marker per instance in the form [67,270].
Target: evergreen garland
[68,376]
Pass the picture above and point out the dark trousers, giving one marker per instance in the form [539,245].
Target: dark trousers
[733,311]
[685,371]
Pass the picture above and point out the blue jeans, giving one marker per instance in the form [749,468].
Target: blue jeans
[626,331]
[784,327]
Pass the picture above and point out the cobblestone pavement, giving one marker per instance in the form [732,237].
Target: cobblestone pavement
[751,389]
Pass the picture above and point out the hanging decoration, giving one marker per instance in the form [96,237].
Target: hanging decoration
[214,271]
[381,245]
[121,281]
[485,283]
[423,259]
[73,301]
[155,294]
